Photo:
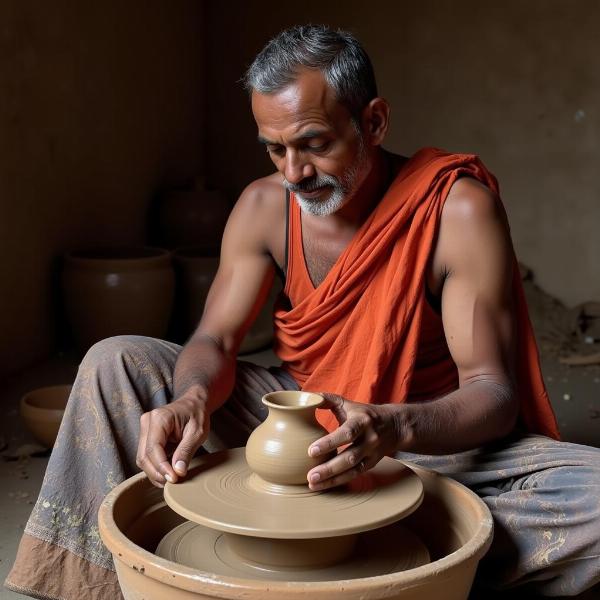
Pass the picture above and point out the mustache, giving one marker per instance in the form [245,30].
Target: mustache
[312,184]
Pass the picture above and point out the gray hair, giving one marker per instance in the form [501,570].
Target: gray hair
[337,54]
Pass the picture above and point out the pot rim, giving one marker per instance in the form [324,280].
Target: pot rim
[28,409]
[220,586]
[314,401]
[103,257]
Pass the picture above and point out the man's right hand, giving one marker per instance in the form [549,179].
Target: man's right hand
[183,424]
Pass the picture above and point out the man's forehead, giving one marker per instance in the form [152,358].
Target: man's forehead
[308,101]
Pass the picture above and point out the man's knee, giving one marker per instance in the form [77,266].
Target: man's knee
[117,350]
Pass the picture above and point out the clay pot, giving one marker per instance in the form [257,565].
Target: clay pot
[42,411]
[193,217]
[453,522]
[277,450]
[118,291]
[195,271]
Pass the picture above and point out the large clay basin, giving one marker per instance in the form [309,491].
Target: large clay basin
[452,521]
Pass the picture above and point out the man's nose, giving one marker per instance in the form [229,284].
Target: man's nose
[297,168]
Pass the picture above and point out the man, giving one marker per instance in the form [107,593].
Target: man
[401,304]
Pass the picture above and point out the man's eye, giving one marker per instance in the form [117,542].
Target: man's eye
[319,147]
[277,150]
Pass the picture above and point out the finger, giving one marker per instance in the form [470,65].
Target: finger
[142,460]
[335,404]
[193,436]
[344,477]
[159,429]
[347,460]
[139,458]
[345,434]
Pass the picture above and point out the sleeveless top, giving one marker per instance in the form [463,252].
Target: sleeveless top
[435,373]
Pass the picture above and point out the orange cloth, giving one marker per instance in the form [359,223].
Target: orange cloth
[358,333]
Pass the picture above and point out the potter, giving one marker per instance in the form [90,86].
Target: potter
[402,305]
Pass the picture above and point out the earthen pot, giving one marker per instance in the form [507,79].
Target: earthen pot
[42,411]
[193,217]
[277,450]
[453,522]
[116,291]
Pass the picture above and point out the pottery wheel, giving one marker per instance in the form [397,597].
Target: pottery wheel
[389,550]
[221,493]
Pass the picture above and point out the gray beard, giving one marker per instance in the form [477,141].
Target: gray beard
[322,207]
[341,191]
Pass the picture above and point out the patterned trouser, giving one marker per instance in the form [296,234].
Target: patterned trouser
[544,495]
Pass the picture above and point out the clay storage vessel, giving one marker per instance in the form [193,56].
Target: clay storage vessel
[193,216]
[264,534]
[42,411]
[115,291]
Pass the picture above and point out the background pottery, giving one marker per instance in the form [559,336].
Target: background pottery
[42,411]
[195,268]
[195,216]
[452,521]
[277,450]
[118,291]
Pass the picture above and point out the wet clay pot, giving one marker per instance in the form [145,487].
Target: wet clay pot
[42,411]
[452,521]
[111,292]
[277,450]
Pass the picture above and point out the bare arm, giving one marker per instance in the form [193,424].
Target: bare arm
[475,253]
[205,370]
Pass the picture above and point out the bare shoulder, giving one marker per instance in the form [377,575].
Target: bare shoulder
[471,203]
[261,197]
[258,217]
[473,236]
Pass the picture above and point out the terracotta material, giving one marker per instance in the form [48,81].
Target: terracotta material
[193,217]
[371,554]
[118,291]
[42,411]
[277,450]
[220,493]
[452,522]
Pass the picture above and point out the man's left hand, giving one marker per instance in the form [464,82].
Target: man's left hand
[368,431]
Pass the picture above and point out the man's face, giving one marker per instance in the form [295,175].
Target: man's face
[313,143]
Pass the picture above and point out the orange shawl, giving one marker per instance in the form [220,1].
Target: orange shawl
[358,331]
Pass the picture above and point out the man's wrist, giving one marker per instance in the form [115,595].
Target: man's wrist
[197,392]
[404,426]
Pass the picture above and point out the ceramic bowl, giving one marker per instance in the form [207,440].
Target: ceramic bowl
[42,411]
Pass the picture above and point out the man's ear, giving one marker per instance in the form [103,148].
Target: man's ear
[375,121]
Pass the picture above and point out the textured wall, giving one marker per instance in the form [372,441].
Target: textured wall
[516,82]
[101,103]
